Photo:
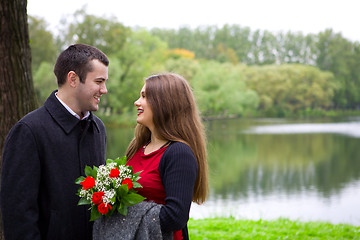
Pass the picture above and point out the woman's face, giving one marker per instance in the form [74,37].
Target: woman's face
[145,114]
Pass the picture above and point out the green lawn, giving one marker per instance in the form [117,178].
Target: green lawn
[230,228]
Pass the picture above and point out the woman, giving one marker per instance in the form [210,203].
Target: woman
[169,148]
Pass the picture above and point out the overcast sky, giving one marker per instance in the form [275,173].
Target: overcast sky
[306,16]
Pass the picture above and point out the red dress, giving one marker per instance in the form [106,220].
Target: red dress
[152,187]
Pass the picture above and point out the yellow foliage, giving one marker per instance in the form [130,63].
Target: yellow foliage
[181,53]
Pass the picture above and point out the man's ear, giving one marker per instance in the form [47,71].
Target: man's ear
[72,79]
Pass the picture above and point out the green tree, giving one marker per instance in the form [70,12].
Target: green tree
[44,81]
[221,90]
[235,38]
[341,57]
[106,34]
[187,68]
[291,87]
[263,48]
[42,43]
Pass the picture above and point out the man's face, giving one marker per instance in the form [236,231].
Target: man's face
[88,94]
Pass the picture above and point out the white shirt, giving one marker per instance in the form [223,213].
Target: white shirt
[86,114]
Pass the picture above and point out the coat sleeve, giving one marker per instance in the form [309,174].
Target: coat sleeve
[178,171]
[20,179]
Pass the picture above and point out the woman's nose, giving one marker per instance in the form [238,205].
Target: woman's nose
[136,103]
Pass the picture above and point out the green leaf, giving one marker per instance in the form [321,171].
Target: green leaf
[123,160]
[132,199]
[95,214]
[88,171]
[113,199]
[79,180]
[84,201]
[136,175]
[120,161]
[122,209]
[122,191]
[108,161]
[137,185]
[136,179]
[94,171]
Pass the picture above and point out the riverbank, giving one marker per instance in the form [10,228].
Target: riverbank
[231,228]
[128,119]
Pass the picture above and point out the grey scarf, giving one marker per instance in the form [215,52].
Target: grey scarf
[142,222]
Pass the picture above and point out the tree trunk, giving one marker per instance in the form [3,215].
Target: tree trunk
[17,96]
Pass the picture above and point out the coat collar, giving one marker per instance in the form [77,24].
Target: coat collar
[62,116]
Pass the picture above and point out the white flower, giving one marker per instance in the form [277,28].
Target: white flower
[108,195]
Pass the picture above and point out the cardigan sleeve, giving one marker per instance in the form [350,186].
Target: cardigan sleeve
[20,179]
[178,171]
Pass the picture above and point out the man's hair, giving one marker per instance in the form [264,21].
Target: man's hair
[77,58]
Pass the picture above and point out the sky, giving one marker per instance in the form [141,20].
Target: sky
[306,16]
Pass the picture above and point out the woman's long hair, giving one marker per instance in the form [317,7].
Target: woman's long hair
[176,118]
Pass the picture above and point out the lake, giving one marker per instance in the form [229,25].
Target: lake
[271,168]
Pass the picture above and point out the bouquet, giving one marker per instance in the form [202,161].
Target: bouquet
[109,188]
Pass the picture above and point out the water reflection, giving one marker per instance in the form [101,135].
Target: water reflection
[261,164]
[293,164]
[351,129]
[304,206]
[270,169]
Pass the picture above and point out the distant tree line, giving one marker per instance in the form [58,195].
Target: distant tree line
[233,71]
[327,51]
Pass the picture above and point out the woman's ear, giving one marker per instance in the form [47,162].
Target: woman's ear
[72,79]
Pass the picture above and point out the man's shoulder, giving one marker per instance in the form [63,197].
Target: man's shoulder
[34,116]
[98,121]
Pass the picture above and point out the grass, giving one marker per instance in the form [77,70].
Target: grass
[230,228]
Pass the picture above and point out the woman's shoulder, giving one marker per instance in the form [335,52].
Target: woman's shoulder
[176,153]
[178,147]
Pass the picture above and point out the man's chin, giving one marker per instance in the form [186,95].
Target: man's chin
[94,108]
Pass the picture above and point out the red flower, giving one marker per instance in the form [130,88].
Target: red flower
[88,183]
[114,173]
[128,182]
[104,208]
[97,197]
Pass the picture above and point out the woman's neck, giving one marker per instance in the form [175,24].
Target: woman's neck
[154,144]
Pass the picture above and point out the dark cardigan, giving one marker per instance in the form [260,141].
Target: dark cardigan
[178,171]
[43,155]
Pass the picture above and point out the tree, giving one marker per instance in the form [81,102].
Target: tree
[42,43]
[106,34]
[17,95]
[221,91]
[341,57]
[291,87]
[142,55]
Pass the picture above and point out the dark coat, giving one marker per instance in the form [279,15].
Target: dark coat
[43,155]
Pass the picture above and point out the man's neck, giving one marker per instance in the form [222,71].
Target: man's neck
[81,116]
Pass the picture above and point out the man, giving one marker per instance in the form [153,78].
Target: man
[49,148]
